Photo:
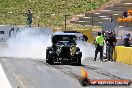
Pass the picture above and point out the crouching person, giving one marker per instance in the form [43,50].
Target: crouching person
[126,41]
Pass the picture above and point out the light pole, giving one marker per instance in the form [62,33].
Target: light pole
[92,21]
[10,18]
[65,16]
[38,17]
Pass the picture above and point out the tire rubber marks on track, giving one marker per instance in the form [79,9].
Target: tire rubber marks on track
[102,72]
[66,70]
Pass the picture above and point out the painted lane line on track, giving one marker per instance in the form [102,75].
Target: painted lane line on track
[4,82]
[10,68]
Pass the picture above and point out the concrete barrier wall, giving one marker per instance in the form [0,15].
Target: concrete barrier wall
[86,32]
[123,54]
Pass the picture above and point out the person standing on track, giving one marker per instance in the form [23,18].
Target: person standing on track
[110,44]
[99,43]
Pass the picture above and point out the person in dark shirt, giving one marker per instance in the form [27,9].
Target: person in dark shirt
[29,17]
[126,41]
[125,14]
[110,44]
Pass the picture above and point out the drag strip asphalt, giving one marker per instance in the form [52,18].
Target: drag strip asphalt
[34,73]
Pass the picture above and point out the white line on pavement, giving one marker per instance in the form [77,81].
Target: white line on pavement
[4,82]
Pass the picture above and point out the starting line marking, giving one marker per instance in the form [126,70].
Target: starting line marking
[4,82]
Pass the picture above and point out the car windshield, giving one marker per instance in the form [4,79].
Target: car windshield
[2,32]
[57,38]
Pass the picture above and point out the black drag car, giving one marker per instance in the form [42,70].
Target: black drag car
[63,49]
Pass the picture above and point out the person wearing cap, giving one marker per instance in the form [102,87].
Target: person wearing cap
[126,41]
[99,42]
[110,44]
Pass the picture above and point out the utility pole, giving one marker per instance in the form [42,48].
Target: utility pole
[65,16]
[92,22]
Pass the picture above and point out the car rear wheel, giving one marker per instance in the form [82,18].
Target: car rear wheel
[50,61]
[47,53]
[78,61]
[52,57]
[79,55]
